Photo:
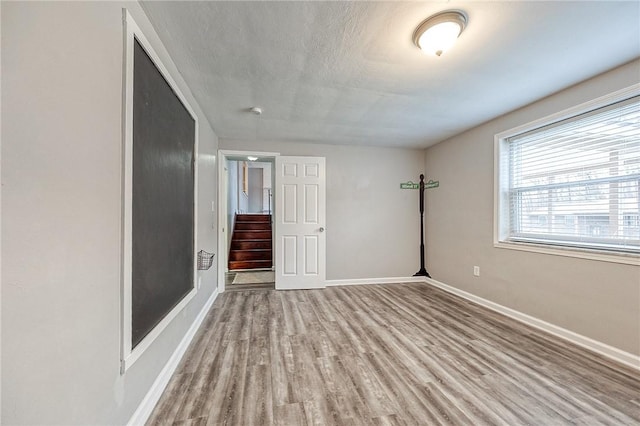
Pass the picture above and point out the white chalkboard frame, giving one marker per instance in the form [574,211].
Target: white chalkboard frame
[129,354]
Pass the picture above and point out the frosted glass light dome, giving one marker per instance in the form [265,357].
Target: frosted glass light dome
[439,32]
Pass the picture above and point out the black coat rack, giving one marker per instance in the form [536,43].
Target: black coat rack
[422,272]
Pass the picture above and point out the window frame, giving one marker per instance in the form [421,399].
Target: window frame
[501,204]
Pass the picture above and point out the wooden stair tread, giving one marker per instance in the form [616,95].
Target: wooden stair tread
[253,218]
[251,244]
[253,226]
[249,264]
[252,254]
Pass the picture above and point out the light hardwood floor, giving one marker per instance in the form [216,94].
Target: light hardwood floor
[382,355]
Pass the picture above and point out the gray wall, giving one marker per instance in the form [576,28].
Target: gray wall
[373,228]
[597,299]
[61,222]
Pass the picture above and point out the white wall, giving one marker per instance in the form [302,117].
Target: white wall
[243,197]
[373,228]
[232,198]
[61,223]
[237,200]
[597,299]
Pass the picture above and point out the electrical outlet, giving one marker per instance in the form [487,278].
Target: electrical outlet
[476,271]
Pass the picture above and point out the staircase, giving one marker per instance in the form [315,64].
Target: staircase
[251,242]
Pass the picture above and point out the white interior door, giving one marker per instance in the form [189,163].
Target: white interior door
[299,222]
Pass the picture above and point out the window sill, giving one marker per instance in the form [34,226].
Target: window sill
[589,254]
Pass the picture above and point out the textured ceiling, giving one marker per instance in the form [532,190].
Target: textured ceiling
[348,73]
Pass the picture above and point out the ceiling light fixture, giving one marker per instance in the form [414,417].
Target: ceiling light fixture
[252,158]
[256,110]
[437,33]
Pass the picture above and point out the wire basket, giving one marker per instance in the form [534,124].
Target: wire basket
[205,260]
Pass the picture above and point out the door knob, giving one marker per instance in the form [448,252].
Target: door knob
[321,229]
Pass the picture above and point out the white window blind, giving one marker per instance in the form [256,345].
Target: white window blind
[577,182]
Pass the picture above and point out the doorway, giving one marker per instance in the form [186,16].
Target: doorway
[297,209]
[245,234]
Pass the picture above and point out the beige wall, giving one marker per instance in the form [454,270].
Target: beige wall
[597,299]
[373,228]
[61,221]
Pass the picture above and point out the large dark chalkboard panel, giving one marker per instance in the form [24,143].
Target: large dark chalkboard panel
[162,197]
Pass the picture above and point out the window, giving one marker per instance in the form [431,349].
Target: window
[573,180]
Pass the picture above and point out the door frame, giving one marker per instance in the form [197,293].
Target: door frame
[223,189]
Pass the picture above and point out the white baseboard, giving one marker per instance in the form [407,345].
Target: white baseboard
[150,400]
[603,349]
[363,281]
